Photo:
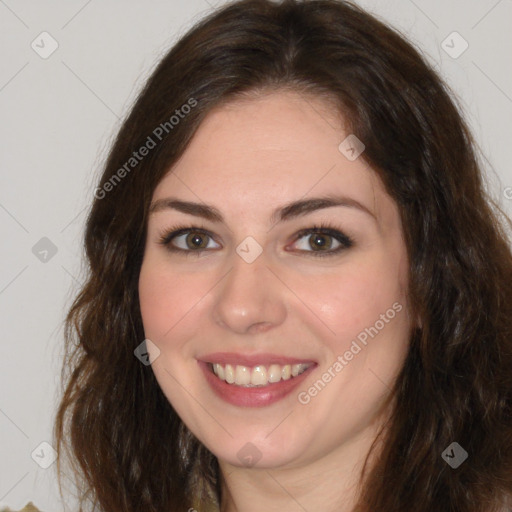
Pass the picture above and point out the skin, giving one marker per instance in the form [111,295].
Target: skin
[248,158]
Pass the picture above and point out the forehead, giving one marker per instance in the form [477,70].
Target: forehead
[260,152]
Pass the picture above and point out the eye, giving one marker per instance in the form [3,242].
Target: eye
[323,240]
[187,240]
[319,241]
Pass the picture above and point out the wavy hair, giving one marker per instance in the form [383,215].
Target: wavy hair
[126,447]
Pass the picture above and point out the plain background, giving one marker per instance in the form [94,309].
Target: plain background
[58,117]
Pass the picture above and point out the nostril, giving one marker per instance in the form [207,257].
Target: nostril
[259,327]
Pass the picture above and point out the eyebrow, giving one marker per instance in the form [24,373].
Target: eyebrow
[281,214]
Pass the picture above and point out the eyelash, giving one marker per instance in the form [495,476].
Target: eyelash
[323,228]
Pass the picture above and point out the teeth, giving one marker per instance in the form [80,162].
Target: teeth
[295,370]
[242,375]
[274,373]
[230,374]
[219,371]
[259,375]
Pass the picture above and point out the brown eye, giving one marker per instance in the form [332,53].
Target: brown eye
[196,240]
[322,241]
[188,240]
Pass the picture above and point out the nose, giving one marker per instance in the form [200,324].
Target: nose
[250,299]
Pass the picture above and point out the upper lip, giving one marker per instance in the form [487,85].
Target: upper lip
[250,360]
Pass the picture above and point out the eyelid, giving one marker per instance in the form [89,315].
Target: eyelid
[344,240]
[326,229]
[168,235]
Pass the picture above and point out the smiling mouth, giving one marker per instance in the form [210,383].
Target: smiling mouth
[258,375]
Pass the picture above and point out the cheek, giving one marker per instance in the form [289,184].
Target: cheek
[163,298]
[354,298]
[153,300]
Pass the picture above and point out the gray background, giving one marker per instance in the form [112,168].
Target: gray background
[59,116]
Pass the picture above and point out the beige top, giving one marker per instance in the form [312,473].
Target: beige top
[29,507]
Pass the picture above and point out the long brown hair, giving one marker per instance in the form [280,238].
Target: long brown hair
[128,449]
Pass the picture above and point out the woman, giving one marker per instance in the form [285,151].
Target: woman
[292,237]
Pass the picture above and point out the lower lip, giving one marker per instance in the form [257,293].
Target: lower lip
[252,397]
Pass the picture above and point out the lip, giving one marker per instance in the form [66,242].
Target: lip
[252,397]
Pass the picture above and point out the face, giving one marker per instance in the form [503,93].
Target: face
[273,285]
